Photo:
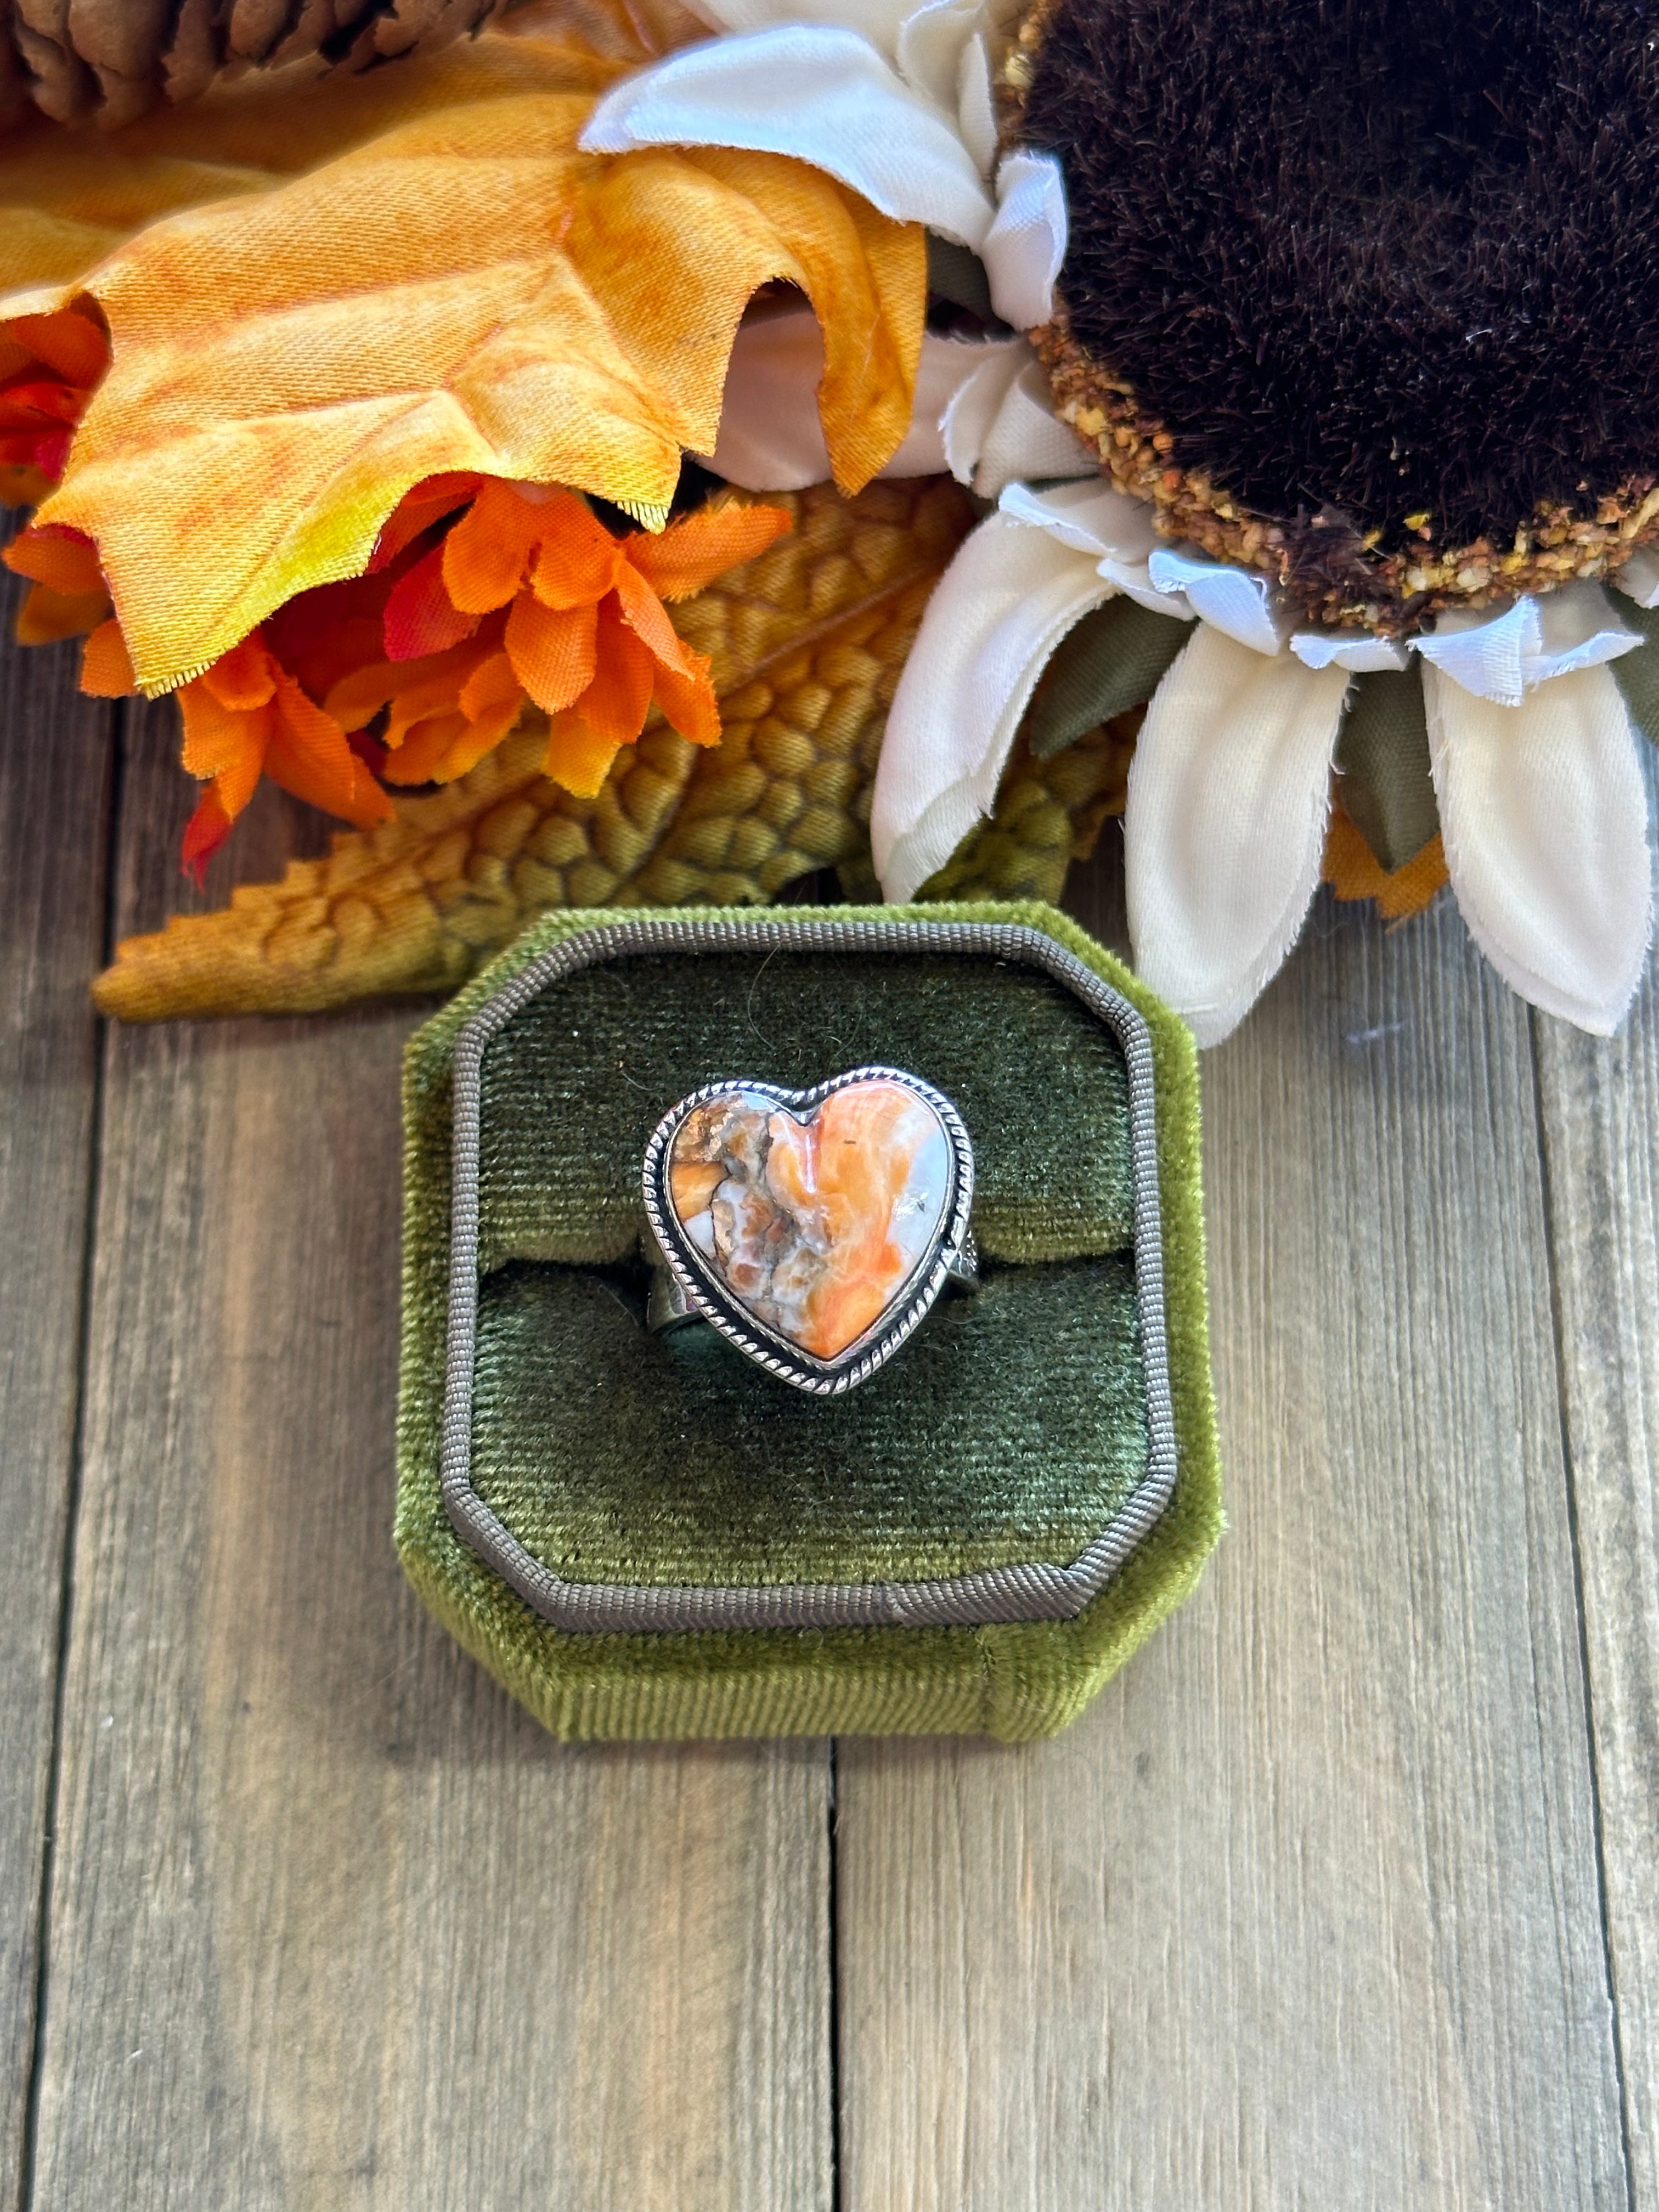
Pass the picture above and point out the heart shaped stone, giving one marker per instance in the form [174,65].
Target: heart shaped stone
[814,1220]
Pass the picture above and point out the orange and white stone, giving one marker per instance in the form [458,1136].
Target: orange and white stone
[817,1224]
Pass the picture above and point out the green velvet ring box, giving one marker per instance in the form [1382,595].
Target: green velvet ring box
[649,1536]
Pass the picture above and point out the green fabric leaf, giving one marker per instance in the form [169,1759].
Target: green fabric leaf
[1382,756]
[1637,674]
[956,273]
[1109,662]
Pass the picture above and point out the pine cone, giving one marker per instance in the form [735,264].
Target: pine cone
[108,61]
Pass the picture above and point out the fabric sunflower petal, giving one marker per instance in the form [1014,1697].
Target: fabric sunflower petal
[1026,244]
[881,21]
[1224,829]
[1638,577]
[1543,811]
[1025,438]
[995,616]
[1239,603]
[771,438]
[1501,654]
[862,124]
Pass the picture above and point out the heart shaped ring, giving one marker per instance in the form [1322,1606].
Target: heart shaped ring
[813,1229]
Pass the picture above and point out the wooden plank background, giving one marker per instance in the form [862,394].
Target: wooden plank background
[1344,1895]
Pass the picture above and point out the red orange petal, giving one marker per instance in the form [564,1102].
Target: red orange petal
[421,617]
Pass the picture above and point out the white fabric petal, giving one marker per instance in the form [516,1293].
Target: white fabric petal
[1026,246]
[821,95]
[1360,652]
[1236,601]
[1088,516]
[1637,578]
[1224,833]
[1133,579]
[1025,437]
[1483,652]
[770,436]
[1543,809]
[967,422]
[976,112]
[1577,629]
[929,47]
[1501,654]
[995,616]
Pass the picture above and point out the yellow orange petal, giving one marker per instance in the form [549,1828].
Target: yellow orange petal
[308,756]
[578,560]
[688,702]
[105,664]
[490,684]
[647,617]
[63,560]
[225,744]
[690,553]
[420,757]
[46,615]
[486,554]
[243,677]
[553,652]
[578,757]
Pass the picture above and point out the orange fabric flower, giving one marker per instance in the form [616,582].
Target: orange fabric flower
[67,597]
[530,596]
[527,596]
[246,717]
[49,364]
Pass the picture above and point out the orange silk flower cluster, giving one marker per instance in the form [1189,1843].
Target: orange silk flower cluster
[528,595]
[482,595]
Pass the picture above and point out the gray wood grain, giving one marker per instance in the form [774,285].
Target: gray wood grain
[1304,1912]
[1599,1108]
[333,1925]
[56,752]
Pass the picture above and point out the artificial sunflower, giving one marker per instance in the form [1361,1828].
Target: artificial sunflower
[1336,318]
